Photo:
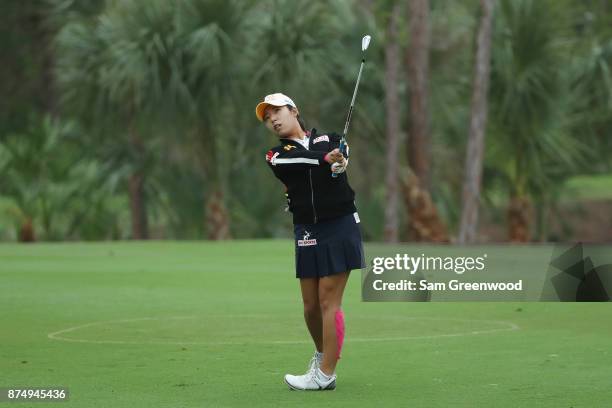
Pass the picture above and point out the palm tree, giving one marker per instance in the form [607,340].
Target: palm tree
[593,83]
[529,106]
[150,63]
[112,73]
[299,48]
[56,188]
[212,36]
[29,169]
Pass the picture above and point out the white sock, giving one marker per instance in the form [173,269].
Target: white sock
[319,357]
[323,376]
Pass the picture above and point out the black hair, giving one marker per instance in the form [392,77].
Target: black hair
[300,120]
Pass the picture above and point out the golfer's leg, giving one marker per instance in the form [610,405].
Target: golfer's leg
[331,289]
[312,310]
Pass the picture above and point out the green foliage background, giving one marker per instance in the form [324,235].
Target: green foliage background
[80,76]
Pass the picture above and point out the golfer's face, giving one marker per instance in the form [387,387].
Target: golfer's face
[279,119]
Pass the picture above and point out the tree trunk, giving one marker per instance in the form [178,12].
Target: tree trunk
[519,219]
[48,84]
[417,56]
[543,209]
[138,207]
[217,217]
[425,223]
[26,231]
[478,124]
[45,53]
[140,228]
[392,52]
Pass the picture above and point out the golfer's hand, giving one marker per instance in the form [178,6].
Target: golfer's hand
[339,168]
[334,157]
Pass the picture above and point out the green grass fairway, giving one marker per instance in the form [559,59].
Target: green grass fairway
[201,324]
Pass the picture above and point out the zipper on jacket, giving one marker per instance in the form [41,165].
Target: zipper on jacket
[314,212]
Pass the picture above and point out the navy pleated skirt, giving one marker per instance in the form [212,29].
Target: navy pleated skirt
[328,247]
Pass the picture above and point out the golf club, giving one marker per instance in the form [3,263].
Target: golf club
[365,43]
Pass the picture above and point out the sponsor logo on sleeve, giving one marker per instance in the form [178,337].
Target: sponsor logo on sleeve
[323,138]
[270,156]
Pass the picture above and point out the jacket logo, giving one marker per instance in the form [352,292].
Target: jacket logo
[306,241]
[289,147]
[270,156]
[323,138]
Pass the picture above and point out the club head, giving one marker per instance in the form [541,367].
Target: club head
[365,42]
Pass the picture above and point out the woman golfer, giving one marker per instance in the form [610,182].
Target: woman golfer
[327,236]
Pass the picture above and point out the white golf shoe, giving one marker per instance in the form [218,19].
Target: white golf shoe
[313,380]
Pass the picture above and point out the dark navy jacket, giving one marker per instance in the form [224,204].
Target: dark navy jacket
[313,194]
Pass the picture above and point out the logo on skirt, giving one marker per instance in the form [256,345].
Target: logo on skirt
[306,241]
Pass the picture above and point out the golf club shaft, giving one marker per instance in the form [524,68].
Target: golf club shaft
[342,146]
[348,118]
[365,42]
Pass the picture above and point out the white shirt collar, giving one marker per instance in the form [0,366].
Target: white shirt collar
[304,142]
